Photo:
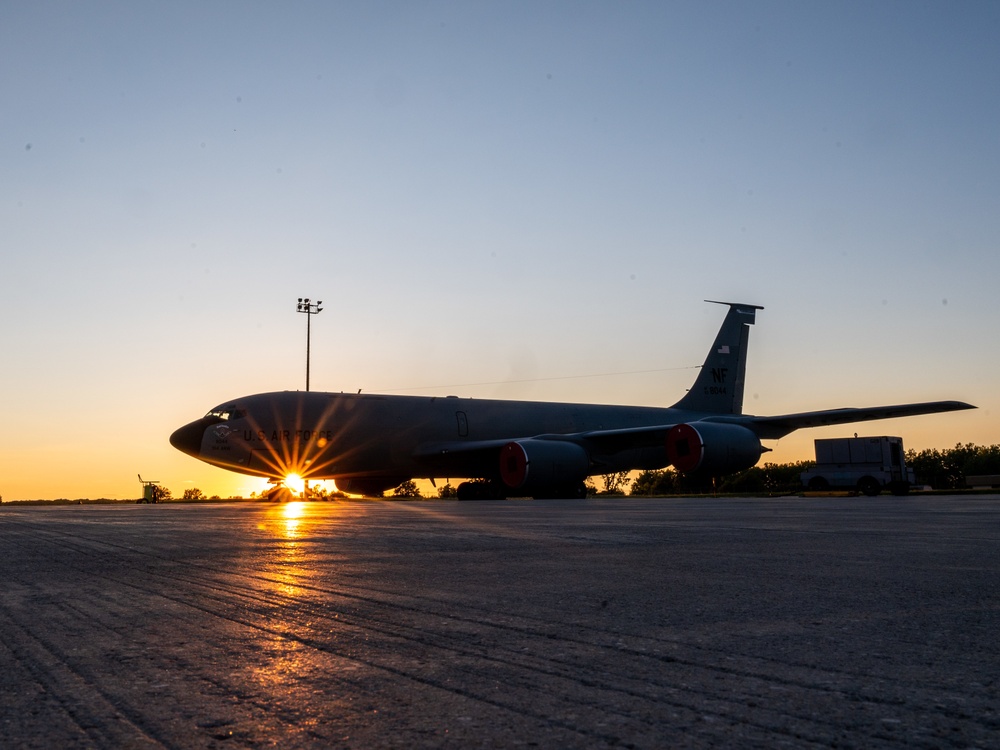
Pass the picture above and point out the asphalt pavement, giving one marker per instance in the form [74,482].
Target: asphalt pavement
[648,623]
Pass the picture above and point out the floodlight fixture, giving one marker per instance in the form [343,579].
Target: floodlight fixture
[310,309]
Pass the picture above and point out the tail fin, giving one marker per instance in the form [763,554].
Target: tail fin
[718,389]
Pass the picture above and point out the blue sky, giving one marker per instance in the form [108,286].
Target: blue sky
[493,194]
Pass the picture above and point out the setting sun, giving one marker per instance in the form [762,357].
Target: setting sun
[296,484]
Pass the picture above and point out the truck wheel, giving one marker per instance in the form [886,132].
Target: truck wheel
[869,486]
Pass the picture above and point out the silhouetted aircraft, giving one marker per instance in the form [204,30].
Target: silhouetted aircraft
[370,443]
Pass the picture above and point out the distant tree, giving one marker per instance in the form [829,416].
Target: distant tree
[752,480]
[447,491]
[407,489]
[928,467]
[696,484]
[615,483]
[654,483]
[985,459]
[315,492]
[163,493]
[947,469]
[319,491]
[193,494]
[770,478]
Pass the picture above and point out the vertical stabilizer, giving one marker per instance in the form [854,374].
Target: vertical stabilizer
[718,389]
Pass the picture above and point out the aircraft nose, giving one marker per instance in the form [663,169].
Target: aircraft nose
[188,438]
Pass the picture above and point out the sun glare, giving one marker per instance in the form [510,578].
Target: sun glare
[295,483]
[293,510]
[291,517]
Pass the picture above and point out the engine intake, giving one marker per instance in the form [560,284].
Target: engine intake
[532,464]
[712,448]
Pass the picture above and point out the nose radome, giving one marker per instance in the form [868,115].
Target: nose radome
[188,438]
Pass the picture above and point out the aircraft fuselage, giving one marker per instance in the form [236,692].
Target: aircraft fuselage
[330,436]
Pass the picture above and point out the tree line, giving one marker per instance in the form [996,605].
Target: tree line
[940,469]
[948,469]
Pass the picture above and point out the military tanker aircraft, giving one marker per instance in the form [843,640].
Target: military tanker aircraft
[370,443]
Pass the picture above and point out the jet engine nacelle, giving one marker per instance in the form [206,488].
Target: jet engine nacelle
[533,464]
[712,448]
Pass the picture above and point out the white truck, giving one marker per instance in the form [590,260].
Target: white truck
[864,464]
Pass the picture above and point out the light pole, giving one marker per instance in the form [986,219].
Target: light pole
[310,309]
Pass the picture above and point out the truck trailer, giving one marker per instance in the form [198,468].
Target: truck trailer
[867,465]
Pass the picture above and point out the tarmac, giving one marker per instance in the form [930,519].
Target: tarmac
[647,623]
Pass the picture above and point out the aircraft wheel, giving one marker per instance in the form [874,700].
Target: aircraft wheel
[498,491]
[472,491]
[869,486]
[819,484]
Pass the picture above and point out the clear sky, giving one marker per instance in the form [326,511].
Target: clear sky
[492,200]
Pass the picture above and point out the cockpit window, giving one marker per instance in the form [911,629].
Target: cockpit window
[226,413]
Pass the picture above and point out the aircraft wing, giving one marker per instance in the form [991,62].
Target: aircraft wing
[772,428]
[479,457]
[766,428]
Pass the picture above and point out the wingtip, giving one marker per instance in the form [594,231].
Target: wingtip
[952,405]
